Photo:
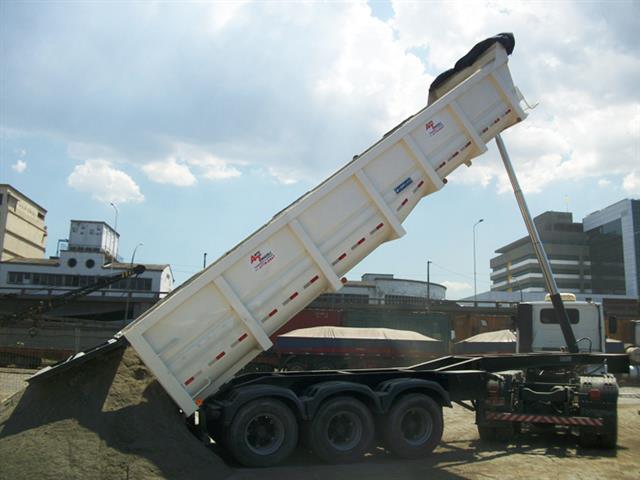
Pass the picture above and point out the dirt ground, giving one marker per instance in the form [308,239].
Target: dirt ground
[462,456]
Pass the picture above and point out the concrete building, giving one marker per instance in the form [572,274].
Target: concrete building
[23,233]
[516,267]
[90,254]
[614,240]
[384,289]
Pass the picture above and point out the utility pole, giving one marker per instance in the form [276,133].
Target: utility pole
[126,308]
[475,287]
[428,285]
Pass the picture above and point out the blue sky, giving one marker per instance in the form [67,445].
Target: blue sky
[202,120]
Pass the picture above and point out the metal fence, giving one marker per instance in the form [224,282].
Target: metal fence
[25,348]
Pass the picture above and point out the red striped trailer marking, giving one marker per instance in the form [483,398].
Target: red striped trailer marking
[313,280]
[220,355]
[455,154]
[358,243]
[467,144]
[552,419]
[293,295]
[378,227]
[189,381]
[242,337]
[273,312]
[441,165]
[341,257]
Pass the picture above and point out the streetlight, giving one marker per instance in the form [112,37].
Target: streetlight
[133,255]
[475,287]
[428,285]
[115,241]
[126,308]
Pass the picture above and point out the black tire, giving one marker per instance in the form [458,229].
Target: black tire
[587,437]
[342,430]
[295,365]
[262,433]
[413,427]
[486,434]
[609,435]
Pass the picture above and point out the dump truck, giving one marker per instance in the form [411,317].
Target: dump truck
[199,337]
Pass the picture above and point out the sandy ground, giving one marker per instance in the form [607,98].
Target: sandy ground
[112,420]
[462,456]
[13,380]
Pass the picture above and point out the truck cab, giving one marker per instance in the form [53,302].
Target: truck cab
[539,329]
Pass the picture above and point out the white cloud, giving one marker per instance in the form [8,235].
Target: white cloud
[631,183]
[604,183]
[20,166]
[296,89]
[457,289]
[588,121]
[104,182]
[169,171]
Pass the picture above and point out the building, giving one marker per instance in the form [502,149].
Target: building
[89,255]
[23,233]
[614,241]
[516,268]
[384,289]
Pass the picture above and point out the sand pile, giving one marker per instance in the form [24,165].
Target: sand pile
[106,419]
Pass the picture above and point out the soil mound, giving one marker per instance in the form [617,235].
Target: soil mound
[106,419]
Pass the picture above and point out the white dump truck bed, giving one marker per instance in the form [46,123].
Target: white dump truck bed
[207,330]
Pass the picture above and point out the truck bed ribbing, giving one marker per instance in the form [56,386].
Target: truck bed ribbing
[198,337]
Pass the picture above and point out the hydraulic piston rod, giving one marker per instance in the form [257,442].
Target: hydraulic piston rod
[545,265]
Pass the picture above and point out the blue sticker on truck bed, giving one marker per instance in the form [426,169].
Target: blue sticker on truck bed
[403,185]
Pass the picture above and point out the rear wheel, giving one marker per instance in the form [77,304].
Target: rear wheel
[263,432]
[609,435]
[342,430]
[413,427]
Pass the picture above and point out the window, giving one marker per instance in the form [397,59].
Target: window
[90,263]
[72,262]
[548,315]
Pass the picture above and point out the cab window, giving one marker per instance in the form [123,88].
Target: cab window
[548,315]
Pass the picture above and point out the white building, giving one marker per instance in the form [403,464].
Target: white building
[379,288]
[90,254]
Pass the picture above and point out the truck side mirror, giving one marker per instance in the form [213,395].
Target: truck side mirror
[613,324]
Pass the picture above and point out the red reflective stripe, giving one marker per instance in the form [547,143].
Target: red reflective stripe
[361,241]
[242,337]
[314,279]
[189,381]
[468,143]
[293,295]
[273,312]
[220,355]
[404,202]
[341,257]
[455,155]
[508,111]
[442,164]
[421,183]
[379,226]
